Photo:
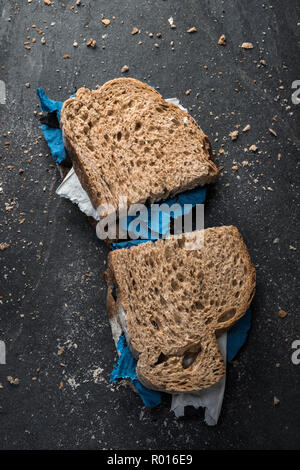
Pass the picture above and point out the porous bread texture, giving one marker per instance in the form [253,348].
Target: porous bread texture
[175,302]
[125,140]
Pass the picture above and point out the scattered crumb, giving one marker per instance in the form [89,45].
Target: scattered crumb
[60,350]
[245,163]
[91,43]
[279,156]
[276,401]
[277,364]
[105,21]
[3,246]
[66,56]
[291,247]
[43,40]
[192,30]
[188,92]
[47,2]
[247,45]
[272,132]
[282,313]
[247,128]
[253,148]
[275,241]
[134,31]
[171,22]
[222,40]
[234,135]
[235,167]
[156,45]
[27,85]
[75,44]
[13,381]
[124,69]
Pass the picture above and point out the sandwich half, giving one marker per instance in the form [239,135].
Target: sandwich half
[126,141]
[172,303]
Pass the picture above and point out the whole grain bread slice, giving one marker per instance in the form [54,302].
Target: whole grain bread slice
[125,140]
[172,303]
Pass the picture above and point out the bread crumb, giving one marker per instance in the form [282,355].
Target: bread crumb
[150,35]
[276,240]
[277,364]
[188,92]
[3,246]
[158,35]
[105,21]
[245,163]
[222,40]
[291,247]
[235,167]
[247,45]
[47,2]
[124,69]
[156,45]
[43,40]
[192,30]
[273,132]
[91,43]
[276,401]
[171,22]
[234,135]
[13,381]
[247,128]
[60,351]
[279,156]
[75,44]
[27,85]
[66,56]
[282,313]
[253,148]
[134,31]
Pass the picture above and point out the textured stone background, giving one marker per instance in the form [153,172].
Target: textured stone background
[52,316]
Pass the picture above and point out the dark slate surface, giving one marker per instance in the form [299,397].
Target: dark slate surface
[52,289]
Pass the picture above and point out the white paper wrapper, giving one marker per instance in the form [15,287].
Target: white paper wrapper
[71,188]
[211,398]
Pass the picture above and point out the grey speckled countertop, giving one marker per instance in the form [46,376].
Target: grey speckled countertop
[52,288]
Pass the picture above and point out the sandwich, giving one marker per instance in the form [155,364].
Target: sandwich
[169,305]
[124,140]
[172,302]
